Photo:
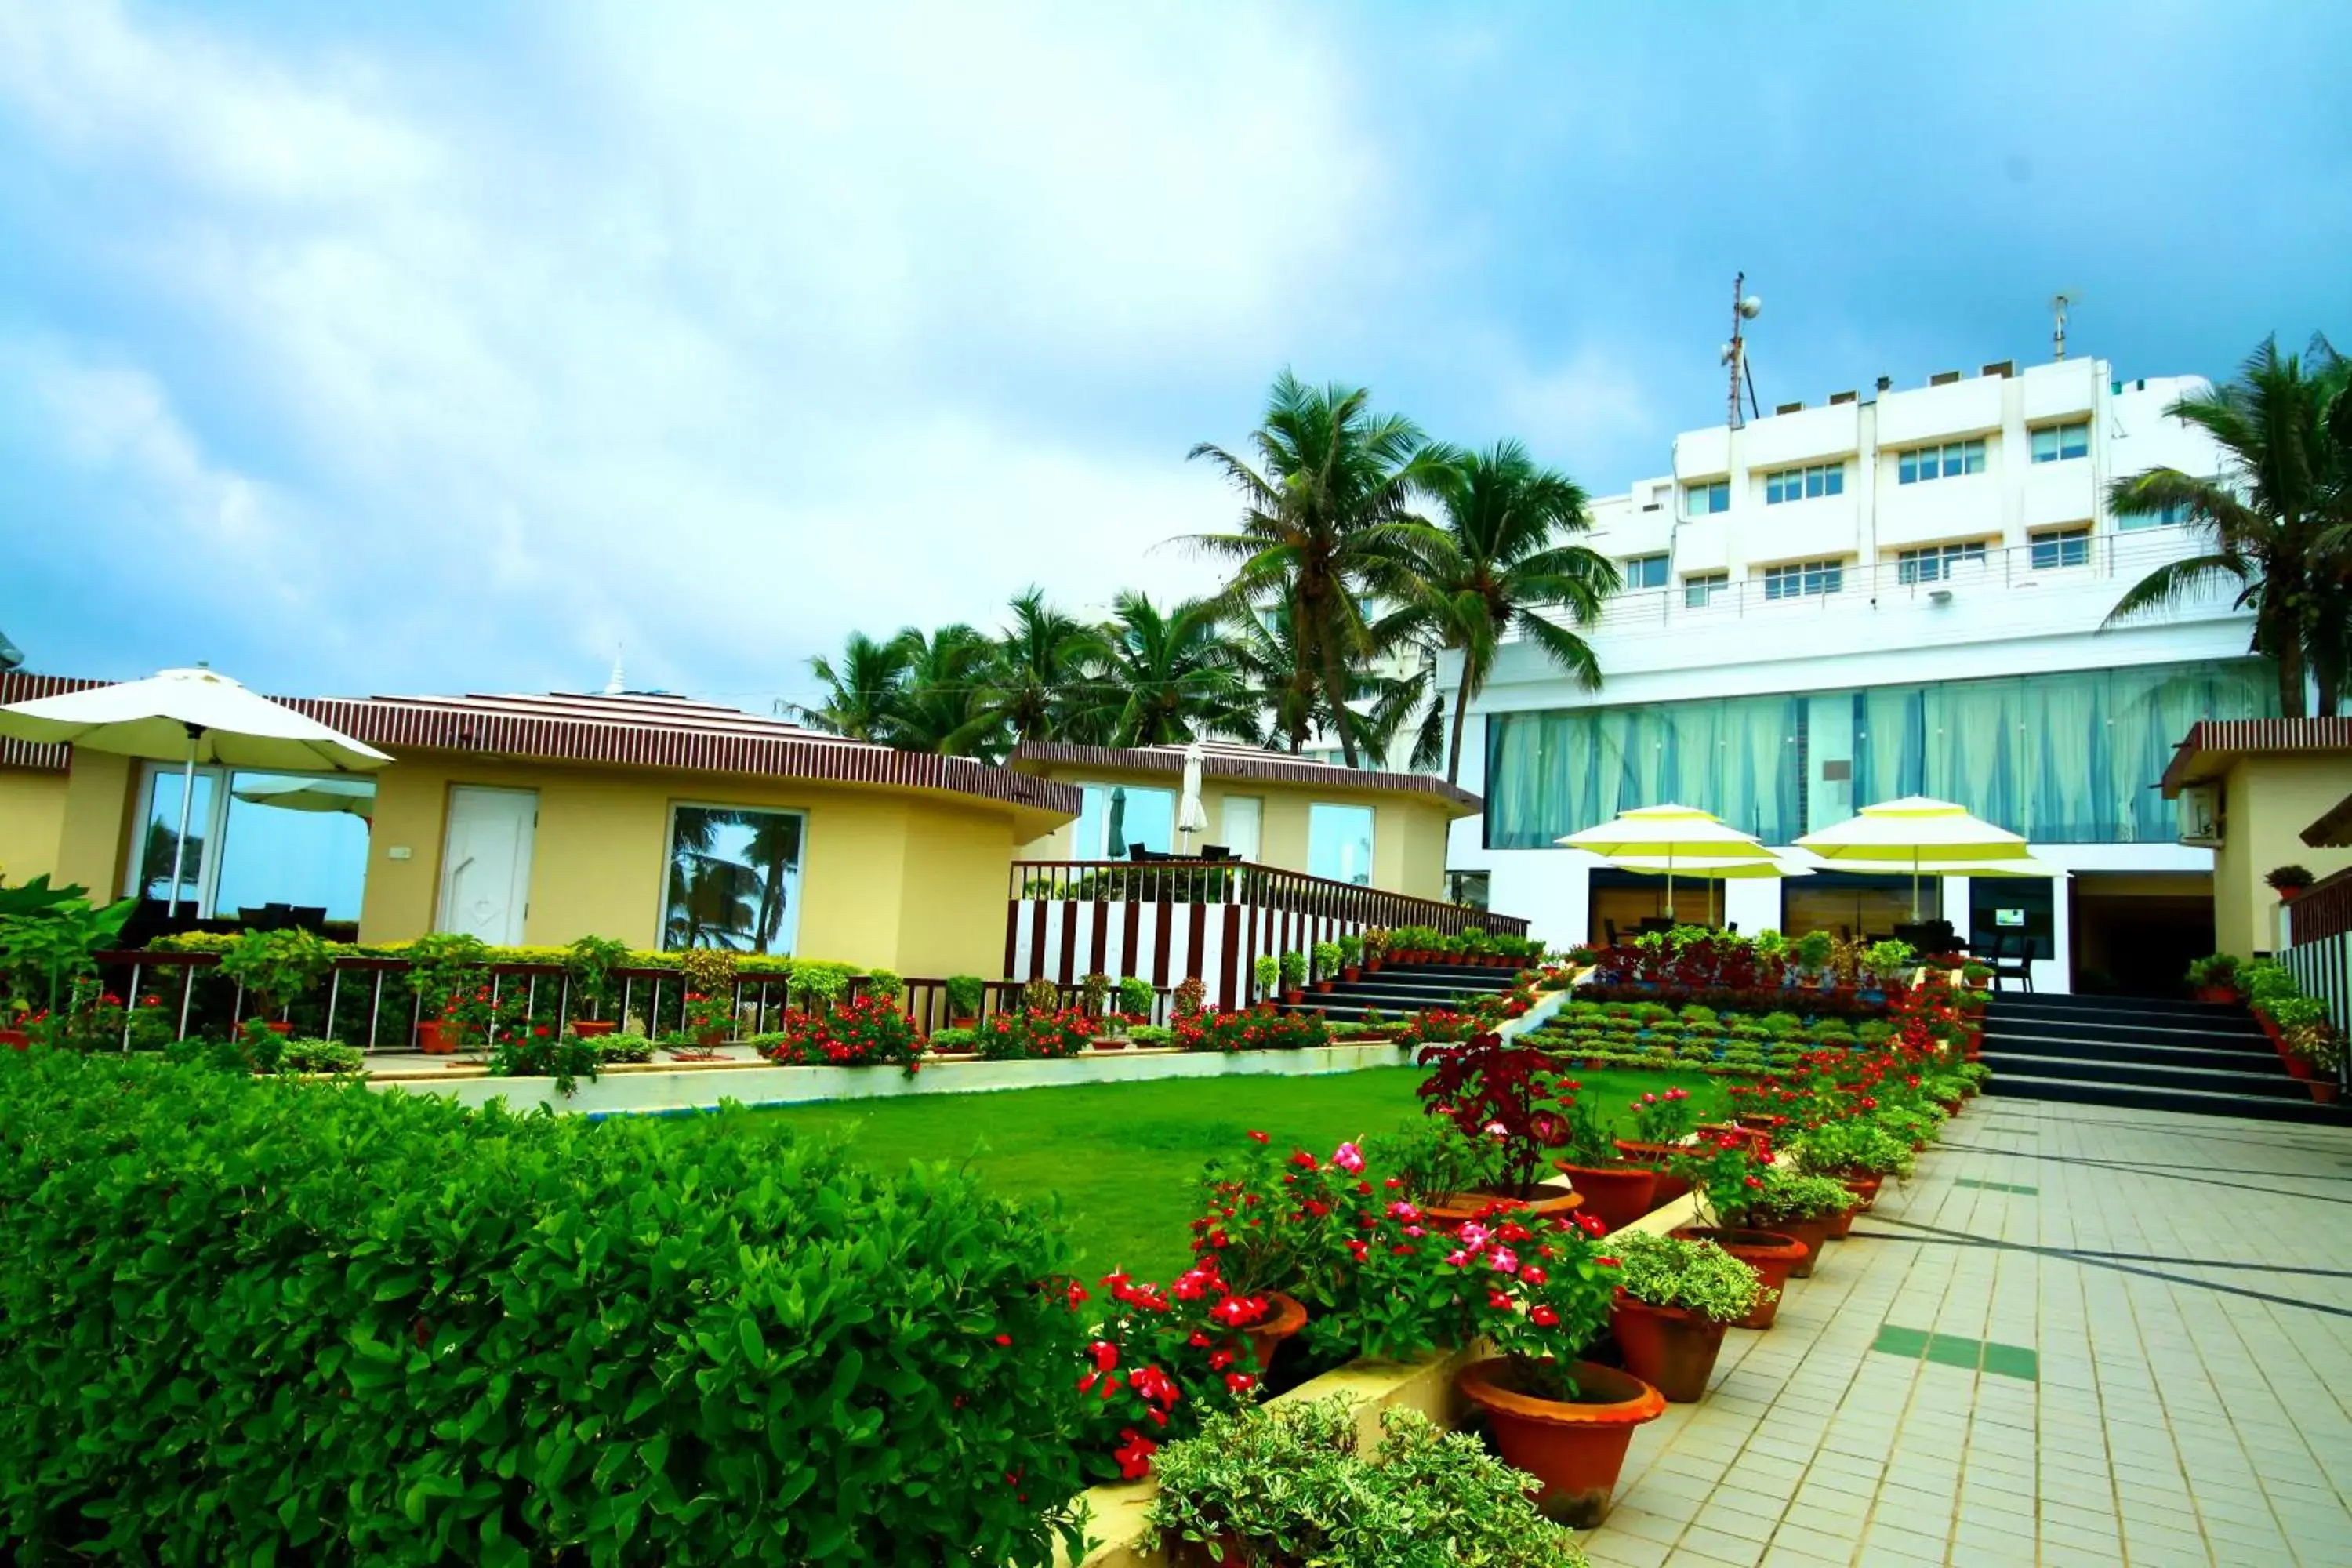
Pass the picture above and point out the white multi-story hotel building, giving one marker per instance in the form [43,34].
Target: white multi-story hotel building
[1879,597]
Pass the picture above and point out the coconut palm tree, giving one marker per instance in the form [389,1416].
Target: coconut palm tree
[1499,552]
[1037,682]
[1166,677]
[1289,702]
[1325,504]
[863,690]
[944,707]
[2278,523]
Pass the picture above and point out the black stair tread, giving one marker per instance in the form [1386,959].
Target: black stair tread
[2199,1102]
[2160,1023]
[2097,1053]
[2225,1080]
[2064,1002]
[2230,1044]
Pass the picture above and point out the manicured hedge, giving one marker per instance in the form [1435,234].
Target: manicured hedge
[252,1321]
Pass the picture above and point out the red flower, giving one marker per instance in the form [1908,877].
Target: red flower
[1005,1339]
[1544,1318]
[1240,1381]
[1256,1137]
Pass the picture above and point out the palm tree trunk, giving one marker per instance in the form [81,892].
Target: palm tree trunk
[2290,680]
[1461,709]
[1335,692]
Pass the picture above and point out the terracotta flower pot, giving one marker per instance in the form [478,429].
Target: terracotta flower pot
[1111,1043]
[16,1039]
[1351,972]
[1294,995]
[2296,1066]
[1457,1209]
[2322,1090]
[1770,1254]
[436,1039]
[1842,1222]
[2221,993]
[1669,1348]
[1656,1155]
[1812,1233]
[1575,1449]
[1864,1187]
[278,1026]
[1372,965]
[1286,1317]
[1619,1195]
[592,1028]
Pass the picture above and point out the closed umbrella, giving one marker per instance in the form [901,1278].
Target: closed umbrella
[189,716]
[1922,837]
[1670,835]
[1190,817]
[1118,826]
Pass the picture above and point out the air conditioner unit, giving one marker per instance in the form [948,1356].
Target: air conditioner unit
[2200,814]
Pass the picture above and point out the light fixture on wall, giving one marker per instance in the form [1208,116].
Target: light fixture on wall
[1939,595]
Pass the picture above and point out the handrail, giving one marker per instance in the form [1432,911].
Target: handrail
[1247,883]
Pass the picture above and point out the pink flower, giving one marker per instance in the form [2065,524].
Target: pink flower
[1495,1129]
[1457,1258]
[1415,1231]
[1504,1259]
[1474,1235]
[1349,1158]
[1404,1211]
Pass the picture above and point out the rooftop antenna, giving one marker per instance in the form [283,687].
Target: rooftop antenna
[2059,303]
[1745,308]
[617,682]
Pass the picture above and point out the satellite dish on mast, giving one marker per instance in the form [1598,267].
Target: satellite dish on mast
[1750,308]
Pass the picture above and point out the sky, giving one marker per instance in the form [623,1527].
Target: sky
[456,345]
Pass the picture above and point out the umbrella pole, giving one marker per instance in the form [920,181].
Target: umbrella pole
[187,799]
[1915,884]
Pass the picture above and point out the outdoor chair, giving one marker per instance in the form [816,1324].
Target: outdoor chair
[1610,927]
[2020,969]
[1929,936]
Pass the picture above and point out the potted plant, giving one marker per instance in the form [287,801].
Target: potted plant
[1563,1420]
[2288,1015]
[2289,881]
[1294,977]
[1326,964]
[2315,1045]
[1660,1121]
[444,967]
[1351,958]
[1811,958]
[1494,1102]
[1137,999]
[1722,1170]
[1976,977]
[48,941]
[1094,994]
[1615,1190]
[1858,1150]
[2213,978]
[589,962]
[708,1012]
[275,967]
[965,994]
[1266,971]
[1675,1298]
[1288,1483]
[1376,948]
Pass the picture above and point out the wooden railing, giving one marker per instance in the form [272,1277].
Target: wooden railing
[2319,951]
[1167,920]
[366,1003]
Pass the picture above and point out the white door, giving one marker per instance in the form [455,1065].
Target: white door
[486,866]
[1242,816]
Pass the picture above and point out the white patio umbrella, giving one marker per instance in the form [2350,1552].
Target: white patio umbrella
[351,795]
[1922,837]
[1190,815]
[1669,833]
[189,716]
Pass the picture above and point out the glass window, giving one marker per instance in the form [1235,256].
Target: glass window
[2010,749]
[1339,843]
[2172,516]
[1801,484]
[1243,819]
[1935,562]
[1948,461]
[1806,577]
[1709,496]
[1700,588]
[2062,547]
[2057,443]
[1644,571]
[1114,818]
[267,848]
[734,878]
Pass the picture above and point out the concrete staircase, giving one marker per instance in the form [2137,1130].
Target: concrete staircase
[1400,990]
[2146,1053]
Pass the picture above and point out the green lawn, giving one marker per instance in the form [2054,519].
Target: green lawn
[1123,1158]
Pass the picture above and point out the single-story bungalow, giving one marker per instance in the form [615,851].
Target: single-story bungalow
[2256,786]
[665,822]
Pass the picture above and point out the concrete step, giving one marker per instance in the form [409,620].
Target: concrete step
[2196,1103]
[2159,1027]
[2273,1084]
[2046,1004]
[2221,1058]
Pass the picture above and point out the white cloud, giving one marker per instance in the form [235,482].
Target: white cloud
[711,329]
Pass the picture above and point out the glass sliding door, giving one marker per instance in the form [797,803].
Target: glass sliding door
[269,849]
[160,830]
[1339,843]
[734,878]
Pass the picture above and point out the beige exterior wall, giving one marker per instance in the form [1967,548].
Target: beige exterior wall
[2267,802]
[1409,831]
[905,879]
[70,827]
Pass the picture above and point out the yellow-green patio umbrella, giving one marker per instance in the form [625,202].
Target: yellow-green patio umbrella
[1674,836]
[1923,837]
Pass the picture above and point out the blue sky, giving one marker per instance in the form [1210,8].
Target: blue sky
[448,346]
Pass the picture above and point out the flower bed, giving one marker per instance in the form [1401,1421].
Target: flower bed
[1259,1029]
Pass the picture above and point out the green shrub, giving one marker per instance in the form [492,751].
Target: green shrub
[453,1336]
[1694,1276]
[1152,1034]
[965,992]
[949,1039]
[624,1048]
[1289,1478]
[1136,996]
[321,1056]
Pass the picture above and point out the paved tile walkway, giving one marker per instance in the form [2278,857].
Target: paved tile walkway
[2080,1336]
